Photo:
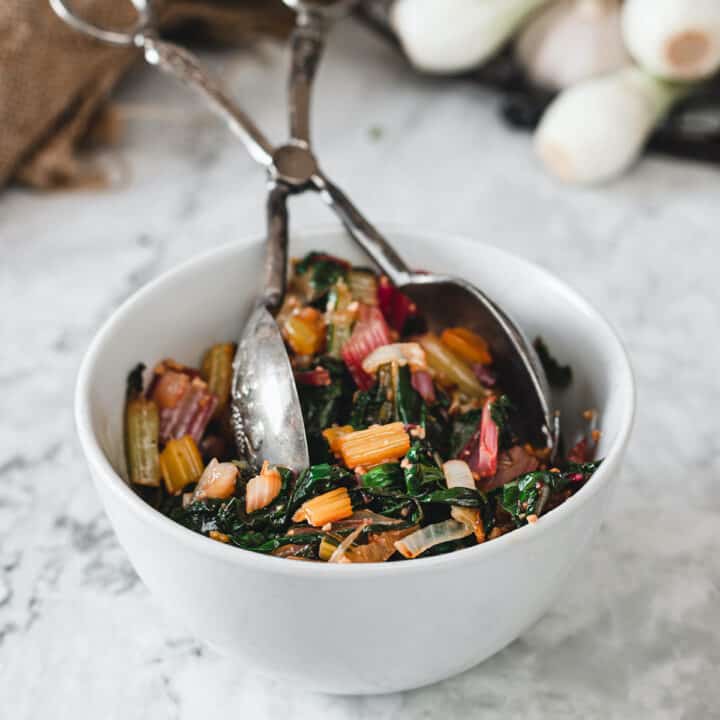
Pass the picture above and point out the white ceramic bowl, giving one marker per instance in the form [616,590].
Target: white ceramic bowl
[341,628]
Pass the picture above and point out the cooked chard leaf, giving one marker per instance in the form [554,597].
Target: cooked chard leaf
[387,475]
[200,516]
[325,406]
[135,380]
[448,547]
[528,494]
[501,411]
[586,469]
[322,271]
[463,497]
[422,474]
[437,429]
[268,545]
[315,480]
[409,406]
[390,503]
[463,427]
[375,406]
[521,497]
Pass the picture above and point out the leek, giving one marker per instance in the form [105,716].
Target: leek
[588,31]
[597,129]
[449,36]
[674,39]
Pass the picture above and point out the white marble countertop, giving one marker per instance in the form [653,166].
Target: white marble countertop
[637,632]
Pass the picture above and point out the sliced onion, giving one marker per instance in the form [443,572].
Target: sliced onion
[381,546]
[217,481]
[364,517]
[418,542]
[338,555]
[458,474]
[262,489]
[400,353]
[423,383]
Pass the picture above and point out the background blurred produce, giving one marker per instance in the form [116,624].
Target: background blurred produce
[658,60]
[601,79]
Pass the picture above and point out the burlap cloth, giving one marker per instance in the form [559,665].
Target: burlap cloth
[54,82]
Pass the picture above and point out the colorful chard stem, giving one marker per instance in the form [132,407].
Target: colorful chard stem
[370,332]
[449,367]
[341,312]
[142,432]
[422,382]
[397,307]
[326,508]
[304,331]
[180,464]
[334,434]
[185,402]
[317,377]
[327,547]
[217,372]
[191,415]
[481,452]
[364,286]
[377,444]
[467,345]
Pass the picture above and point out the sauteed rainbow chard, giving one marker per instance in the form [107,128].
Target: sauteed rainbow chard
[413,444]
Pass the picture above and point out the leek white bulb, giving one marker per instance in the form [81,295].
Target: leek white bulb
[675,39]
[447,36]
[572,40]
[595,130]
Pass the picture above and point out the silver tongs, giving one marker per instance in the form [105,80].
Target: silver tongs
[292,168]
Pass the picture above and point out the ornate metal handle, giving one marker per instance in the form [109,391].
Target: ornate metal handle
[121,38]
[362,231]
[179,63]
[277,246]
[307,43]
[186,68]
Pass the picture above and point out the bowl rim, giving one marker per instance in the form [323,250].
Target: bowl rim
[103,470]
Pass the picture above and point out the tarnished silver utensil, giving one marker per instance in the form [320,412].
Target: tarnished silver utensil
[267,416]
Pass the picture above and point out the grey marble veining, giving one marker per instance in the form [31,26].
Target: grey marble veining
[637,632]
